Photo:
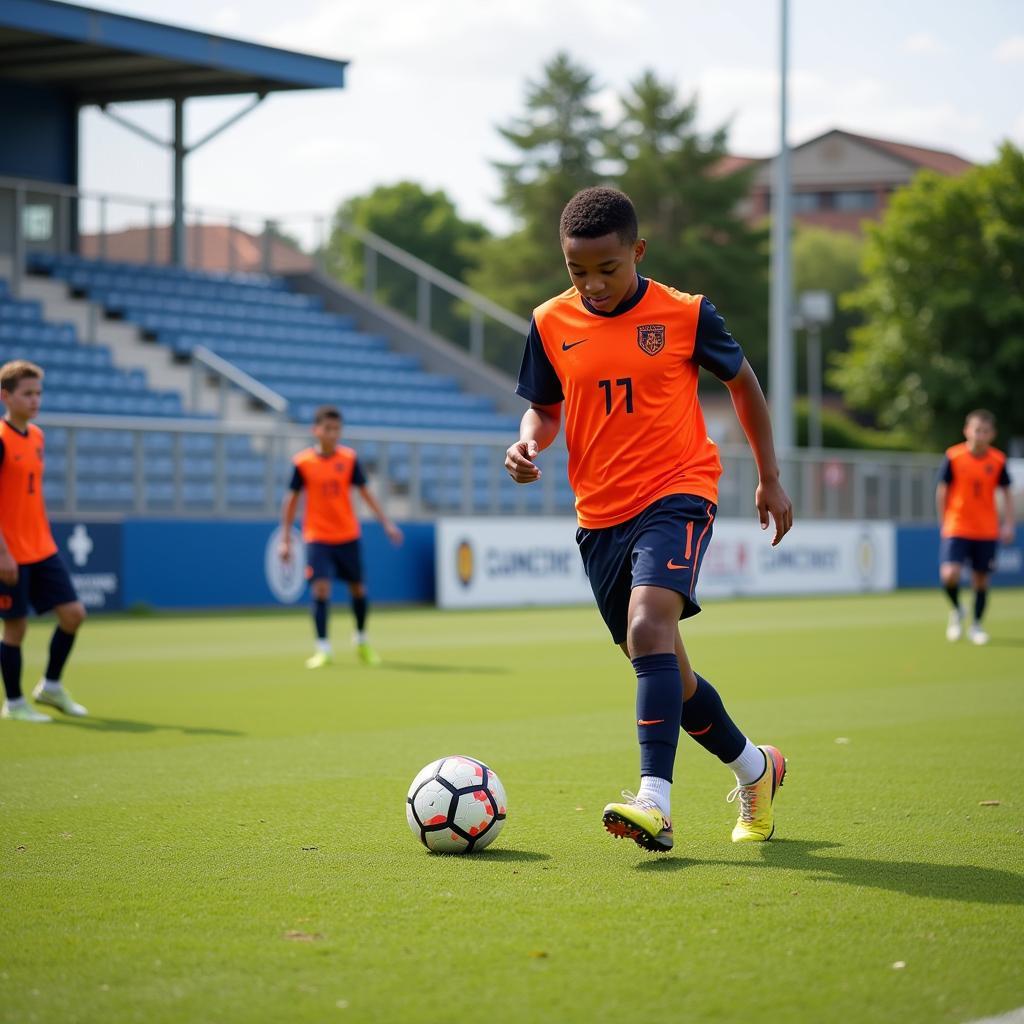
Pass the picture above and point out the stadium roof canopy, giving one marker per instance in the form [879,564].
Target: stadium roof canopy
[101,58]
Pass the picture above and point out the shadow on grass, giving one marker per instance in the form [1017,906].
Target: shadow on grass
[129,725]
[433,667]
[491,856]
[963,883]
[1006,641]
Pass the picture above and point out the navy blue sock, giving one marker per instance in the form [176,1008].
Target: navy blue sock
[320,618]
[359,606]
[706,720]
[60,648]
[980,597]
[953,592]
[659,705]
[10,666]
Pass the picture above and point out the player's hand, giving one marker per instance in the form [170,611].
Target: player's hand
[1006,534]
[518,462]
[395,535]
[772,501]
[8,569]
[284,550]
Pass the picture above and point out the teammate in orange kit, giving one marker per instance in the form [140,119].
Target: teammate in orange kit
[326,472]
[972,474]
[31,570]
[622,354]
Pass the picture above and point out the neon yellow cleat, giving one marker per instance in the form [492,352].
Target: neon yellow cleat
[61,700]
[639,819]
[367,655]
[320,659]
[756,823]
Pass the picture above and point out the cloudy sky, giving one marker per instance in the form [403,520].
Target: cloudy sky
[430,79]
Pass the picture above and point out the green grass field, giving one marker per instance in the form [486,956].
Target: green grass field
[225,839]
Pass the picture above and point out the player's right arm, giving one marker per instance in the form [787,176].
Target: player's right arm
[540,386]
[8,566]
[288,509]
[942,489]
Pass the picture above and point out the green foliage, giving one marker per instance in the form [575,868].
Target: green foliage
[943,305]
[840,431]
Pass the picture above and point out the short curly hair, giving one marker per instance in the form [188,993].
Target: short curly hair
[598,211]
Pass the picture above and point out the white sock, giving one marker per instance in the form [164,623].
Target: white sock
[360,636]
[17,702]
[750,765]
[323,646]
[659,791]
[51,687]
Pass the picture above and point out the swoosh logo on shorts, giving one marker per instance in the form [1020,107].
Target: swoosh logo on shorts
[670,564]
[652,721]
[566,346]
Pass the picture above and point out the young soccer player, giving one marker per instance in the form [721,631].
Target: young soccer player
[622,354]
[330,528]
[31,570]
[965,498]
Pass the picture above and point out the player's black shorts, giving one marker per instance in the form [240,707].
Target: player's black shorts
[44,585]
[663,546]
[980,554]
[345,561]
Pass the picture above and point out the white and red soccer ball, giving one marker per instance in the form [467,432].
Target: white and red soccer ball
[456,805]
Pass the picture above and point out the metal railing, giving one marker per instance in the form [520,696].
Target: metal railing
[153,467]
[226,375]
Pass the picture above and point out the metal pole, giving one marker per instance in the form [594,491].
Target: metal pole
[103,227]
[178,146]
[18,267]
[780,374]
[814,434]
[151,236]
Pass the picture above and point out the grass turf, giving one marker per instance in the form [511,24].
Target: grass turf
[225,840]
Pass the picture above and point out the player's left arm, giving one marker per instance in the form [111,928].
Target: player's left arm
[1006,532]
[752,410]
[395,535]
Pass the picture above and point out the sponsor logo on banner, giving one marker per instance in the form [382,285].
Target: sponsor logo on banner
[464,562]
[286,580]
[92,552]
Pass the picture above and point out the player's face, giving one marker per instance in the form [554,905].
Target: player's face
[23,402]
[603,269]
[328,433]
[979,433]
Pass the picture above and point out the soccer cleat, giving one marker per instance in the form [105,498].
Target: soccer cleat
[954,628]
[756,823]
[320,659]
[367,655]
[641,820]
[23,713]
[978,636]
[61,700]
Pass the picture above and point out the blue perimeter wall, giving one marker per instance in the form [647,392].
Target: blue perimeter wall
[173,563]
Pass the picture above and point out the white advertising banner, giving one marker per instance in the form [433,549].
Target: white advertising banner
[510,562]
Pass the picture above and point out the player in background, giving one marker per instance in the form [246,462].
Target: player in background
[622,354]
[966,501]
[326,472]
[31,570]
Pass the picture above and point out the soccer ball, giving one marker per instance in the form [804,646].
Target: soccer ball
[456,805]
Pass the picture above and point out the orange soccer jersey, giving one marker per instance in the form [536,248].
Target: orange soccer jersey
[326,479]
[23,521]
[971,498]
[633,424]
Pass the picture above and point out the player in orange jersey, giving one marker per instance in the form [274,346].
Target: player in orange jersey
[972,474]
[622,354]
[326,472]
[31,570]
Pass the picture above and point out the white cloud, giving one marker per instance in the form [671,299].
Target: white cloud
[924,42]
[1011,49]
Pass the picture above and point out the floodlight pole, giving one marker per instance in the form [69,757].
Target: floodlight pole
[780,368]
[180,152]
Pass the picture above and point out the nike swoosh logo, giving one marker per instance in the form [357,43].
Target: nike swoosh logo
[700,732]
[670,564]
[653,721]
[566,347]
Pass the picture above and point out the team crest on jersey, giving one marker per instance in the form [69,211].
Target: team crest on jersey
[651,338]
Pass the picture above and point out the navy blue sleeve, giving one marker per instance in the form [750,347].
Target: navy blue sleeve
[1004,477]
[1,451]
[715,348]
[358,476]
[297,482]
[538,382]
[946,473]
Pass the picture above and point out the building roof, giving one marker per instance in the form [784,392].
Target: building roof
[100,57]
[920,156]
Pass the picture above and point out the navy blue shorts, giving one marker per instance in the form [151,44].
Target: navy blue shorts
[663,546]
[44,585]
[344,561]
[981,554]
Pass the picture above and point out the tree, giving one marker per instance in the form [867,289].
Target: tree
[943,305]
[697,241]
[425,224]
[559,142]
